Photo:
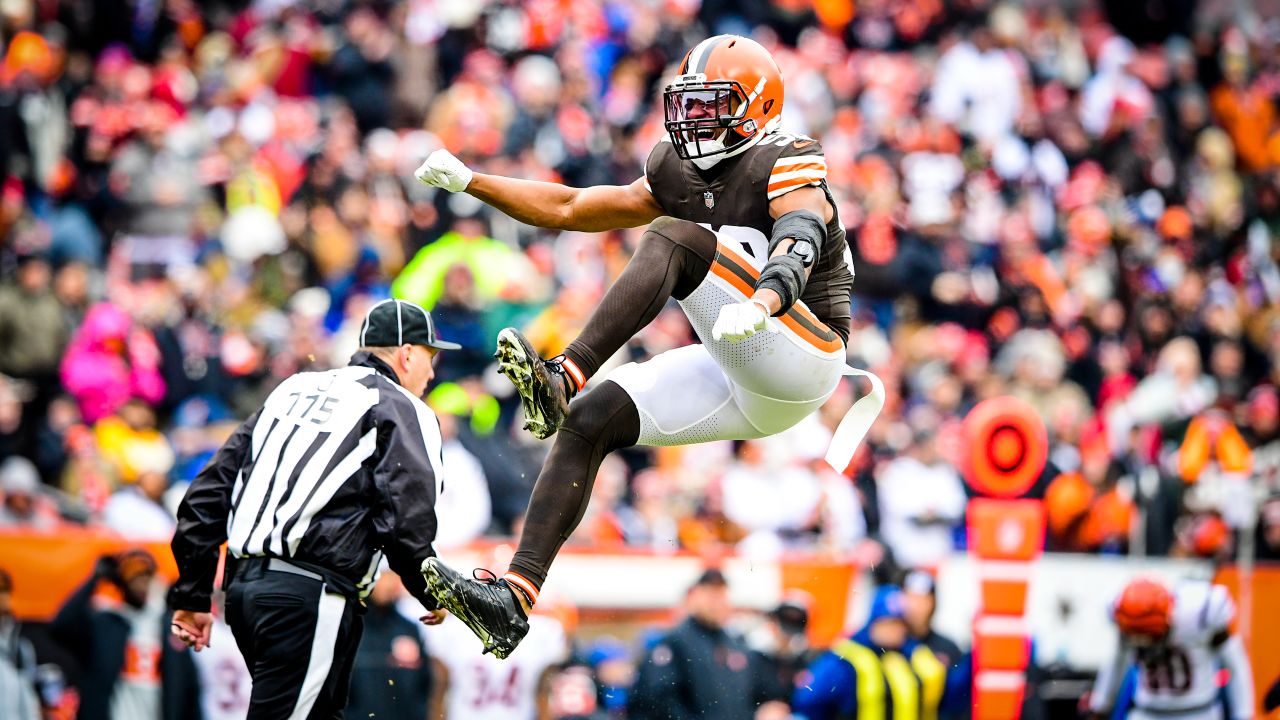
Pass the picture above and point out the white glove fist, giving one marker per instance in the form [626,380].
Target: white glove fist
[441,169]
[740,321]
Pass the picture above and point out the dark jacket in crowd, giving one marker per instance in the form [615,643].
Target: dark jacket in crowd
[697,671]
[944,648]
[949,654]
[98,635]
[391,677]
[777,675]
[33,332]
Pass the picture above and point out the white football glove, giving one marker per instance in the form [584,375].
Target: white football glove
[441,169]
[740,321]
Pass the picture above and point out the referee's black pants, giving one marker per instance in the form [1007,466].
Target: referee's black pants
[298,639]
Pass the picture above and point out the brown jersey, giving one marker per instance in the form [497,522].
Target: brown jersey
[733,199]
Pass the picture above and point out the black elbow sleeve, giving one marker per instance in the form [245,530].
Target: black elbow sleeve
[787,273]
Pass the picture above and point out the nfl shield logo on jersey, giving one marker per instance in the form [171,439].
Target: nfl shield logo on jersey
[709,199]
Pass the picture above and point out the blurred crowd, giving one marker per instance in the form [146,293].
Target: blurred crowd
[198,199]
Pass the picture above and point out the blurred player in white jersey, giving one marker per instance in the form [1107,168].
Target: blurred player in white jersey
[1181,641]
[477,686]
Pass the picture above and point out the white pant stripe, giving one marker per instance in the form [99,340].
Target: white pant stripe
[323,644]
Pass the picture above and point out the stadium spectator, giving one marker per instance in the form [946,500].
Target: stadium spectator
[614,672]
[698,670]
[391,677]
[18,698]
[774,499]
[362,71]
[116,626]
[156,178]
[1261,429]
[921,501]
[137,511]
[33,333]
[466,515]
[649,520]
[109,362]
[131,443]
[496,269]
[25,504]
[572,695]
[781,646]
[866,673]
[919,601]
[13,394]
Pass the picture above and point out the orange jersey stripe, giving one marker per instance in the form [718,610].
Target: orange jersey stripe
[728,276]
[822,167]
[795,182]
[823,344]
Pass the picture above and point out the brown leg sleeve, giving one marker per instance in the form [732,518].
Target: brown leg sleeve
[672,259]
[601,421]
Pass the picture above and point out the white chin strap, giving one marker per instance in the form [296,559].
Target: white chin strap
[707,162]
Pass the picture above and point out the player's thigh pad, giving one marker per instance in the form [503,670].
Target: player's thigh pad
[683,397]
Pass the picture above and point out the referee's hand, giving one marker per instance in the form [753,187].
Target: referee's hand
[192,628]
[434,617]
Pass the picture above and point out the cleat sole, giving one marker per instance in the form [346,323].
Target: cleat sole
[516,364]
[442,588]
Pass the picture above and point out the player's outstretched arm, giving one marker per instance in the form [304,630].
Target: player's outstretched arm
[545,204]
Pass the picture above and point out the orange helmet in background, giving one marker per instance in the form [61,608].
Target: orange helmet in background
[1144,609]
[726,95]
[1066,499]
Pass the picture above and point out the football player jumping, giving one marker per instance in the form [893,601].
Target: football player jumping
[744,234]
[1182,641]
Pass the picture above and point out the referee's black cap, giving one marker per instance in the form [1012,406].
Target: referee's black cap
[392,323]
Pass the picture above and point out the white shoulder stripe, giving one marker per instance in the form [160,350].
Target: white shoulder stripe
[800,160]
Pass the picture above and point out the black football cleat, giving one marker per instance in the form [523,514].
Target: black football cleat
[542,384]
[487,605]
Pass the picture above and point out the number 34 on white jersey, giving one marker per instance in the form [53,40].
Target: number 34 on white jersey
[482,687]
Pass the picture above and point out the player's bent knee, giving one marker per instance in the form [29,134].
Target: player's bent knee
[686,234]
[605,416]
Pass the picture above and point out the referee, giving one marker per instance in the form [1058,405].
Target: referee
[337,469]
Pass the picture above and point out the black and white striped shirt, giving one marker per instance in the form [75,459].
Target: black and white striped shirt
[335,470]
